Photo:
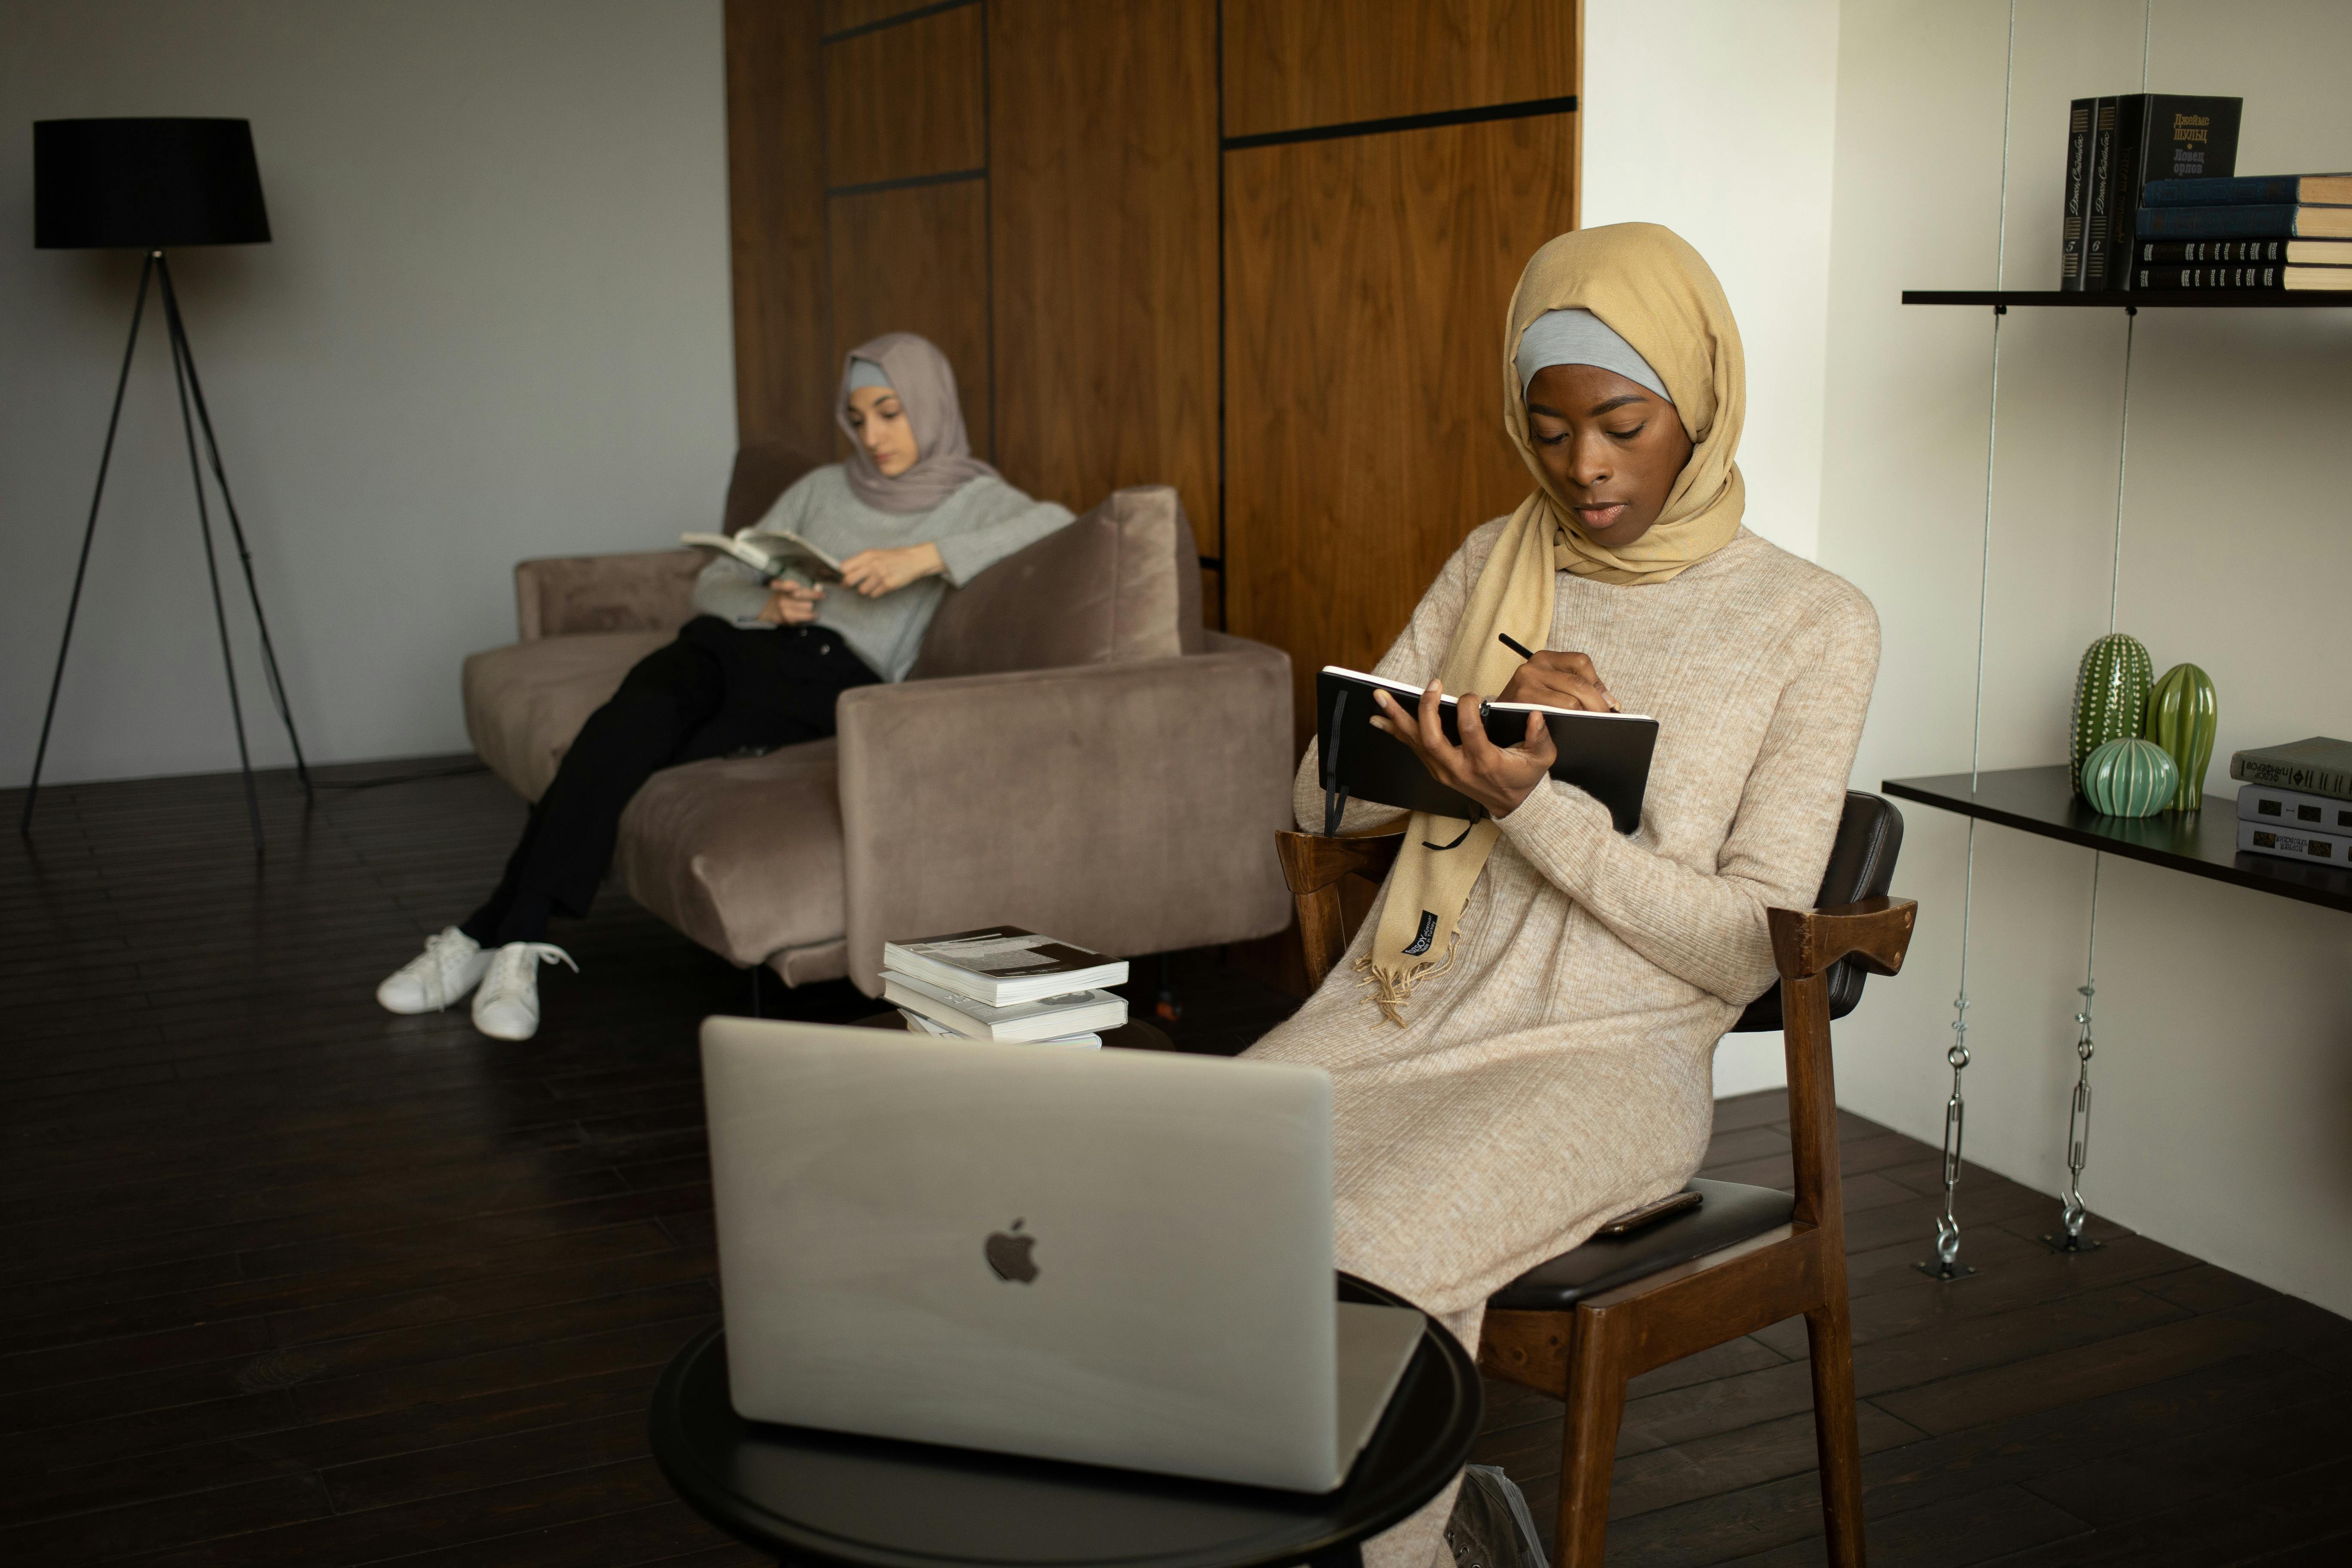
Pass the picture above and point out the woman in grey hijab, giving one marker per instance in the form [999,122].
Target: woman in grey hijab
[910,514]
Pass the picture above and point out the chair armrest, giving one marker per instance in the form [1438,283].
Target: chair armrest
[1125,806]
[563,596]
[1875,931]
[1312,864]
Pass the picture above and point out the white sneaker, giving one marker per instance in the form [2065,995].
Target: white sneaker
[507,1007]
[451,965]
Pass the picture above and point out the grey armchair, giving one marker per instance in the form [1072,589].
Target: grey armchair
[1073,753]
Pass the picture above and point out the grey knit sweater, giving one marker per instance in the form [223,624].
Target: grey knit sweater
[981,524]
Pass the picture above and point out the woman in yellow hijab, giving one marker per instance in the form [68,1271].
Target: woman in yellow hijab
[1521,1039]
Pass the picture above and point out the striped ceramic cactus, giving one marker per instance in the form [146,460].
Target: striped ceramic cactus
[2130,777]
[2110,698]
[2182,715]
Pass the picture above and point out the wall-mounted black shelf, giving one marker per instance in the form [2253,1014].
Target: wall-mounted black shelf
[2143,298]
[2202,843]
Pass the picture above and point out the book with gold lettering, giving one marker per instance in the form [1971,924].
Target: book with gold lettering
[2158,136]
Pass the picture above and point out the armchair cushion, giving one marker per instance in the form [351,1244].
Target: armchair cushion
[525,702]
[742,854]
[573,595]
[1123,582]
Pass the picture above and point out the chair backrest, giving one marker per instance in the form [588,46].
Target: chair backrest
[1862,866]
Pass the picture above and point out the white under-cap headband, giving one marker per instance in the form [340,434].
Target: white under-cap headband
[1579,337]
[865,372]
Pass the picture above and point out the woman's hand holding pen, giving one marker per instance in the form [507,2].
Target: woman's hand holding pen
[1497,777]
[1559,680]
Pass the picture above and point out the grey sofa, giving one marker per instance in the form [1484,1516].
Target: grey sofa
[1073,753]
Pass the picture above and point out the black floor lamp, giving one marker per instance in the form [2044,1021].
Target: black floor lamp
[149,184]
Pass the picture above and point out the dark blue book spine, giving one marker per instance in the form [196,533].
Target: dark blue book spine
[2209,223]
[2244,190]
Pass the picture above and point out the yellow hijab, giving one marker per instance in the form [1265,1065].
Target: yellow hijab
[1654,290]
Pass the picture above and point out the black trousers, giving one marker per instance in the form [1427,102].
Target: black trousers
[718,690]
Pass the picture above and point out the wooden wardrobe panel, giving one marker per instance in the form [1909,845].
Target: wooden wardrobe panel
[907,102]
[775,197]
[1366,283]
[842,15]
[1103,175]
[915,260]
[1291,64]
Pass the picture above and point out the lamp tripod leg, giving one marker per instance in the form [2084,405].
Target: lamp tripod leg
[88,533]
[276,683]
[212,566]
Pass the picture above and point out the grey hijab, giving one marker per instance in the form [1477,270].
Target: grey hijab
[926,383]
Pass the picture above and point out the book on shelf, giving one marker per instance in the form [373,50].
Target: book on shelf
[2142,136]
[771,552]
[1003,965]
[2245,223]
[2098,194]
[1053,1018]
[2252,190]
[2078,185]
[2319,766]
[918,1024]
[2271,806]
[2294,844]
[2209,252]
[2245,278]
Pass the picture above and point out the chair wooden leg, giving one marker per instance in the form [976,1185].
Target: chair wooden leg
[1836,1435]
[1596,1405]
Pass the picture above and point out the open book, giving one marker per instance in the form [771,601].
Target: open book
[770,553]
[1607,755]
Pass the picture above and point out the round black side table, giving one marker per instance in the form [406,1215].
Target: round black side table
[813,1496]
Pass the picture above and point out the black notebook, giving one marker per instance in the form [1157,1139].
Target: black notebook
[1607,755]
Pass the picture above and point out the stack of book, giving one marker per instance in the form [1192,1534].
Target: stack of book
[2114,148]
[2255,232]
[1004,983]
[2154,201]
[2297,800]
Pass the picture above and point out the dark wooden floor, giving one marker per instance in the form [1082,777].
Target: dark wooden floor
[290,1281]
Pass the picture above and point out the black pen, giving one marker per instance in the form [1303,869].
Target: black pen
[1519,648]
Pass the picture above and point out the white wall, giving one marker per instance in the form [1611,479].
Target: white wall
[2223,1077]
[1716,118]
[494,323]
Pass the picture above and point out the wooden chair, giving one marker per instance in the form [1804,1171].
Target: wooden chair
[1741,1257]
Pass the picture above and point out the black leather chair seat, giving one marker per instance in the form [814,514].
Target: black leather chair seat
[1731,1213]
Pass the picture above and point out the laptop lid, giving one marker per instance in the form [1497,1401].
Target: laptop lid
[1118,1258]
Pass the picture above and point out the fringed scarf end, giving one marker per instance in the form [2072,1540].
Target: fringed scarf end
[1392,991]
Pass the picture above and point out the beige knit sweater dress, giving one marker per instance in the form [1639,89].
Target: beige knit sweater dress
[1560,1071]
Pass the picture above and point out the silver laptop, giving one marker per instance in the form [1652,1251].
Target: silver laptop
[1119,1258]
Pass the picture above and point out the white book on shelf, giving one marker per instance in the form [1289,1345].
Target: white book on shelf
[2272,806]
[1003,965]
[2294,844]
[1054,1018]
[922,1026]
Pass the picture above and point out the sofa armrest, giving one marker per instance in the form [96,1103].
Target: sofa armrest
[561,595]
[1128,807]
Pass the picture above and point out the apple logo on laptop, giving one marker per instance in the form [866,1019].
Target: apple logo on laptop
[1008,1254]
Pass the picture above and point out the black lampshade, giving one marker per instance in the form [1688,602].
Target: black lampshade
[145,183]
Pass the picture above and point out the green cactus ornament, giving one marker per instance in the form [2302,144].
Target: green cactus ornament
[2110,698]
[2182,716]
[2130,777]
